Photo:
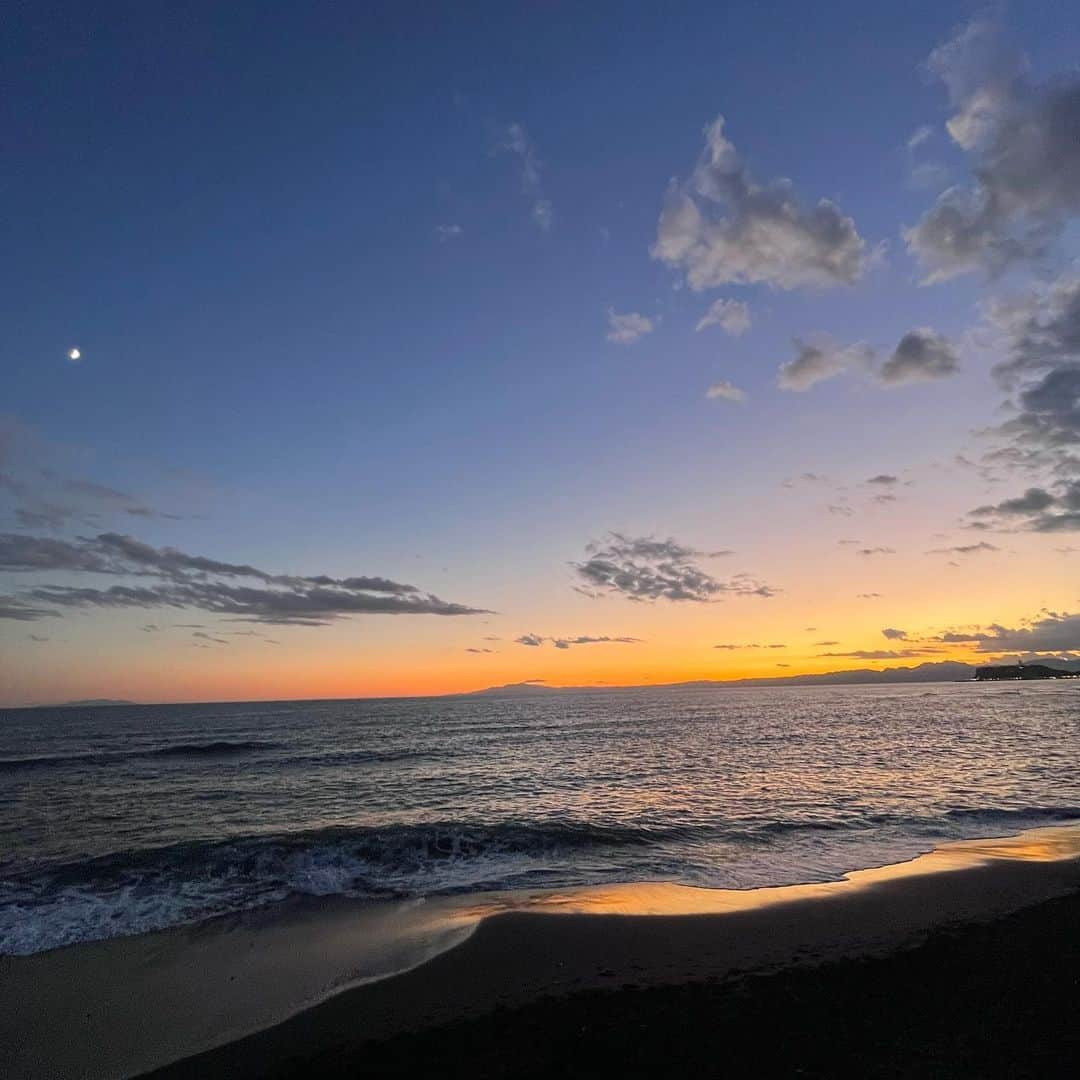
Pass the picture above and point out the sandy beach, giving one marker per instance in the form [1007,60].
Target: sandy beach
[924,961]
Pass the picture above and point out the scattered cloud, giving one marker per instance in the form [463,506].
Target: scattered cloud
[725,390]
[535,640]
[1040,334]
[732,316]
[877,551]
[628,328]
[815,362]
[884,480]
[647,569]
[480,650]
[1051,631]
[922,354]
[893,634]
[516,141]
[448,232]
[181,580]
[919,136]
[964,549]
[749,646]
[1020,139]
[721,227]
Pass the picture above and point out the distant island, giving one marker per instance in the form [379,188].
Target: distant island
[930,672]
[91,702]
[1003,672]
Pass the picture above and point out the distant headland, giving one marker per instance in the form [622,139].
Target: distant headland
[1002,672]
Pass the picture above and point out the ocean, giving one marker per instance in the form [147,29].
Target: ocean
[115,820]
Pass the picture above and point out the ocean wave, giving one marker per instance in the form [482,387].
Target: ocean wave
[217,748]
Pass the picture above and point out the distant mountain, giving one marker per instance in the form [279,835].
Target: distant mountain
[92,701]
[940,671]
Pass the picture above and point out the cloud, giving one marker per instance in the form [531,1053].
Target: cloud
[181,580]
[516,141]
[1020,139]
[893,634]
[13,608]
[721,227]
[753,646]
[1051,632]
[732,316]
[448,232]
[1040,336]
[821,360]
[480,650]
[535,640]
[869,596]
[208,637]
[647,569]
[825,644]
[628,328]
[919,136]
[876,654]
[840,509]
[922,354]
[877,551]
[725,390]
[884,480]
[964,549]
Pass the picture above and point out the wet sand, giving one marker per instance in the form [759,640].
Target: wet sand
[634,978]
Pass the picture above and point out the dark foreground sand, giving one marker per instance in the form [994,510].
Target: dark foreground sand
[963,962]
[961,973]
[997,1000]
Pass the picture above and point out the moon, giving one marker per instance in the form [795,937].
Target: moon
[74,354]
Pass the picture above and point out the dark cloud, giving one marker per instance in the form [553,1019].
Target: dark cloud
[721,227]
[893,634]
[921,354]
[884,479]
[480,650]
[1040,334]
[1052,631]
[964,549]
[823,359]
[582,639]
[13,608]
[195,581]
[644,568]
[825,644]
[877,551]
[1021,141]
[208,637]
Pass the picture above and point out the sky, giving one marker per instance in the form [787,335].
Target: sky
[404,349]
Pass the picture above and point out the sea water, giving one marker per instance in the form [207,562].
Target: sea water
[121,819]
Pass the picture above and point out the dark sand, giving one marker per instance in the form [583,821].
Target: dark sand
[997,1000]
[964,962]
[960,973]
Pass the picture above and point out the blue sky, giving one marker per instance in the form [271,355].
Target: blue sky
[341,278]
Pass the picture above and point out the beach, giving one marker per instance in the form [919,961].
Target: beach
[959,962]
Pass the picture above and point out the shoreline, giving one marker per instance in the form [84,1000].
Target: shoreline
[239,997]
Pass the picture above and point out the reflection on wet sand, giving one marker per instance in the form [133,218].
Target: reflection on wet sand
[664,898]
